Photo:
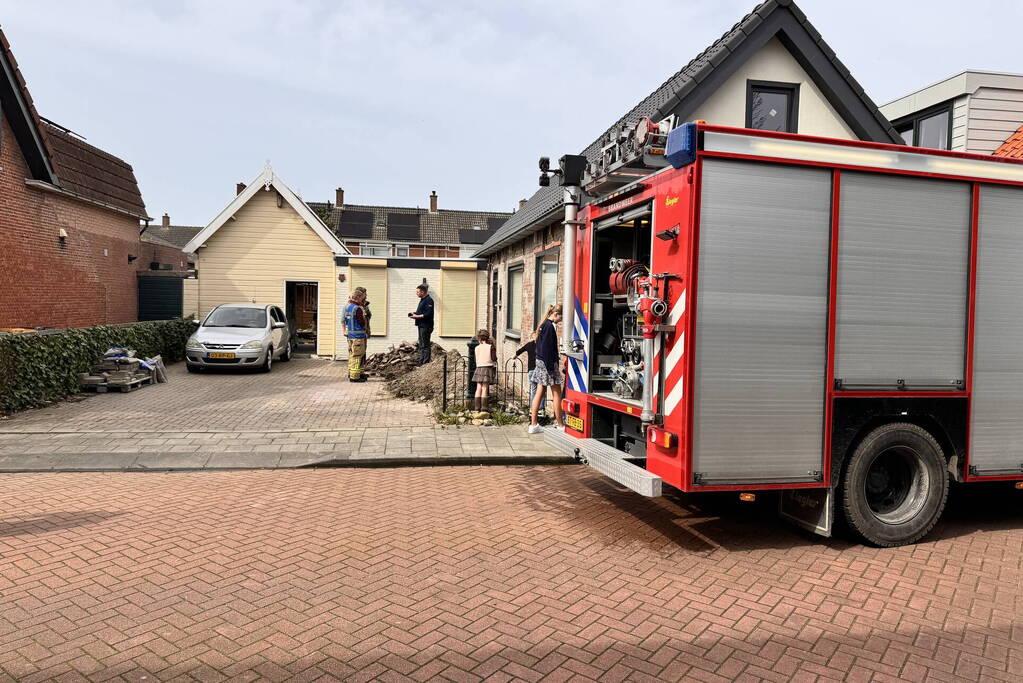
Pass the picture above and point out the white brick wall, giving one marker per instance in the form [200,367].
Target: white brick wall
[402,300]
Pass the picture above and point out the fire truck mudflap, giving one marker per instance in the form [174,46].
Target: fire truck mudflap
[607,460]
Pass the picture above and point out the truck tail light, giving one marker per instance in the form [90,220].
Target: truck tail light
[662,438]
[570,407]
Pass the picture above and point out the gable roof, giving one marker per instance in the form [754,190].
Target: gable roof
[389,223]
[1012,148]
[176,236]
[89,172]
[264,181]
[703,75]
[56,158]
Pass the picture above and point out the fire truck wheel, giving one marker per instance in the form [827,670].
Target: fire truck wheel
[895,485]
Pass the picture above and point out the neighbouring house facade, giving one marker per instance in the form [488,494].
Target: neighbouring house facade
[70,250]
[973,111]
[270,247]
[772,70]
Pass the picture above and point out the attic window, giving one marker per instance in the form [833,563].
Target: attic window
[772,106]
[931,127]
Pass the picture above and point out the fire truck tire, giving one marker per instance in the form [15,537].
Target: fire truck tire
[895,485]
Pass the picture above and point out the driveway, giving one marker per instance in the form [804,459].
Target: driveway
[302,394]
[494,573]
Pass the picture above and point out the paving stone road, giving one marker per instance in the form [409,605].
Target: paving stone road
[470,573]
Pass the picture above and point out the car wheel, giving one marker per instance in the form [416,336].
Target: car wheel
[286,356]
[268,363]
[193,368]
[895,485]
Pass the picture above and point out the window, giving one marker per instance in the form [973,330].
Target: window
[375,250]
[772,106]
[546,286]
[513,300]
[457,299]
[401,250]
[373,276]
[930,127]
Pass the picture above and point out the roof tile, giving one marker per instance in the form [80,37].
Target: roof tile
[1012,148]
[442,227]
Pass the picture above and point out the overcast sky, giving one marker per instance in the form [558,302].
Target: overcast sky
[391,100]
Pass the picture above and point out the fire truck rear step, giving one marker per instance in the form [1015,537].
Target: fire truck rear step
[609,461]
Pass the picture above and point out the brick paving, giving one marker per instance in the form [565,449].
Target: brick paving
[499,573]
[303,394]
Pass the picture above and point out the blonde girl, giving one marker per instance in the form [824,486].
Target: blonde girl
[548,370]
[486,369]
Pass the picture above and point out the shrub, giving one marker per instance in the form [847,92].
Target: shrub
[37,368]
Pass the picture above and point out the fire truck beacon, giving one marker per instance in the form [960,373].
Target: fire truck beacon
[833,321]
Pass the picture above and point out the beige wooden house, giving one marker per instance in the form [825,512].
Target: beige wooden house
[268,247]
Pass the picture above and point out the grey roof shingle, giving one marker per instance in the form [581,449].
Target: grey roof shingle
[659,103]
[174,235]
[446,226]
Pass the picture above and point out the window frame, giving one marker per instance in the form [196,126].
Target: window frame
[398,248]
[790,89]
[371,249]
[912,121]
[538,278]
[520,268]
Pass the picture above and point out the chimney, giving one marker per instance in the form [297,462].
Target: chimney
[339,197]
[238,188]
[523,202]
[433,201]
[166,221]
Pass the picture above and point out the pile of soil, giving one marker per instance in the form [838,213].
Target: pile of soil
[397,361]
[425,382]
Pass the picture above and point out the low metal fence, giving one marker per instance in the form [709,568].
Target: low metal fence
[511,389]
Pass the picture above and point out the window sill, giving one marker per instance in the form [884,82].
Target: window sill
[510,334]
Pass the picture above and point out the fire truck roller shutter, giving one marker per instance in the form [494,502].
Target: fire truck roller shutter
[903,278]
[761,323]
[996,432]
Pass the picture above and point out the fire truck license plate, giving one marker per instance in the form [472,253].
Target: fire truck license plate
[221,355]
[573,422]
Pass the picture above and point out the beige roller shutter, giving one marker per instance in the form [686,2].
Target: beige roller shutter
[372,274]
[457,299]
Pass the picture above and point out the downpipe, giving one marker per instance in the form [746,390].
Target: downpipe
[573,196]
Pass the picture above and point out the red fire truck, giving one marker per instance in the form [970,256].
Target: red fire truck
[836,320]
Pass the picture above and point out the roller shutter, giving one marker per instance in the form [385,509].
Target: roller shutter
[996,432]
[457,299]
[761,323]
[902,282]
[372,274]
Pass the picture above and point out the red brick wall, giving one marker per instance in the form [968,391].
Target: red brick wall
[43,283]
[525,252]
[149,252]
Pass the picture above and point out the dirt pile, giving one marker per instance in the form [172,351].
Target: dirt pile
[397,360]
[425,382]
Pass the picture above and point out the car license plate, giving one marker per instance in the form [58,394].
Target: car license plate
[573,422]
[221,355]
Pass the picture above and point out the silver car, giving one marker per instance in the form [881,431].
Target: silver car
[239,335]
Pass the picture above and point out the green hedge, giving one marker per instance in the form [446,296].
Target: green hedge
[36,368]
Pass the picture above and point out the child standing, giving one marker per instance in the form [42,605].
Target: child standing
[548,372]
[529,348]
[486,369]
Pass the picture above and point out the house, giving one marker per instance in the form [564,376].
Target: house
[772,70]
[69,229]
[973,111]
[270,247]
[394,249]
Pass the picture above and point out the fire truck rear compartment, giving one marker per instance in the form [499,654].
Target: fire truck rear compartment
[621,431]
[626,237]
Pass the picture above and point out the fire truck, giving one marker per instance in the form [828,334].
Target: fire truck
[837,321]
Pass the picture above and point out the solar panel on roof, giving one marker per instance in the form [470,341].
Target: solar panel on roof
[356,224]
[495,223]
[403,219]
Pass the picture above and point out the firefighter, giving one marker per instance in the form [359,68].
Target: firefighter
[356,328]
